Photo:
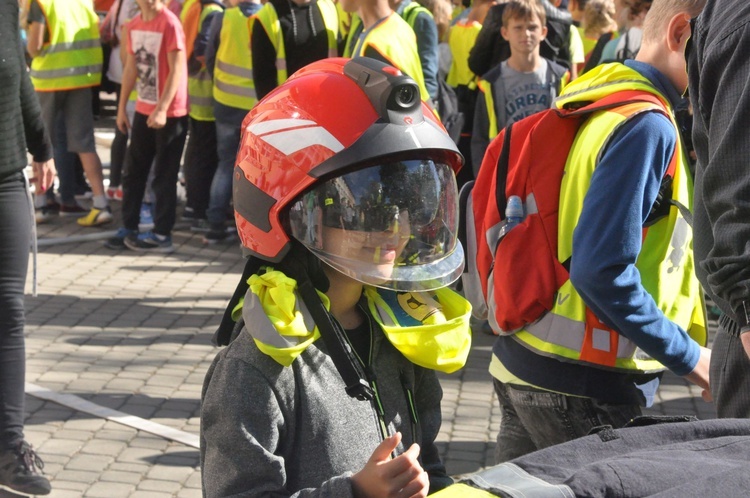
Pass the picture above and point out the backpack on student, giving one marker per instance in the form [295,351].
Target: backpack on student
[514,280]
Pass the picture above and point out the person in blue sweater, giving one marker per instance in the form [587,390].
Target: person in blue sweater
[633,304]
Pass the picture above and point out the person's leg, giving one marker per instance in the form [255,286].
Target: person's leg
[138,161]
[170,143]
[551,418]
[730,382]
[513,440]
[15,229]
[200,164]
[227,141]
[117,152]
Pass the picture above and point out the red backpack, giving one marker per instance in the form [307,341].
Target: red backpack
[520,274]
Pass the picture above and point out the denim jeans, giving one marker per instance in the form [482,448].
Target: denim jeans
[227,142]
[532,419]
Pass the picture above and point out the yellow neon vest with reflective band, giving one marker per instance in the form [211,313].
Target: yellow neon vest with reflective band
[73,56]
[269,19]
[569,331]
[430,329]
[200,86]
[461,39]
[395,40]
[233,72]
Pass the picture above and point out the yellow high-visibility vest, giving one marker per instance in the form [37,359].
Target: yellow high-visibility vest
[73,56]
[233,73]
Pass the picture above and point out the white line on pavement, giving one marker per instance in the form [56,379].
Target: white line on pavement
[80,404]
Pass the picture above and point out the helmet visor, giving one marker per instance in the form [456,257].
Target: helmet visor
[392,225]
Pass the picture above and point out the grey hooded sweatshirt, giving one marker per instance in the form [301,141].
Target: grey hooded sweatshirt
[272,431]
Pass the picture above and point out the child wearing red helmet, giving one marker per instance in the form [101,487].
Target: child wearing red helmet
[343,314]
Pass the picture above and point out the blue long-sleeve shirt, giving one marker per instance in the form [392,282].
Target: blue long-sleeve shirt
[605,248]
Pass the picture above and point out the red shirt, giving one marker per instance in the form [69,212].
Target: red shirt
[150,42]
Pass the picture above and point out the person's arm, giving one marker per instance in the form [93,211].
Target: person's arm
[264,61]
[199,47]
[212,43]
[719,92]
[37,28]
[607,243]
[38,141]
[427,47]
[129,75]
[481,54]
[480,135]
[577,54]
[243,426]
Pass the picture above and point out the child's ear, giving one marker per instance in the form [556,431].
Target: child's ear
[544,32]
[504,33]
[678,32]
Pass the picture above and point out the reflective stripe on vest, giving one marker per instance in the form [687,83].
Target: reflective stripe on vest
[570,331]
[486,88]
[233,74]
[269,19]
[200,85]
[73,57]
[395,40]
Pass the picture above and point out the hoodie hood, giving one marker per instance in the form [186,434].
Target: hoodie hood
[602,81]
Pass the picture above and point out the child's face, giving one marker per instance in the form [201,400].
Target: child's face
[524,35]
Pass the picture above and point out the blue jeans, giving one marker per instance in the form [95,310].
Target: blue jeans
[532,419]
[227,142]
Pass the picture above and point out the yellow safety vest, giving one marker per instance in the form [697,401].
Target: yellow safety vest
[431,329]
[461,39]
[73,56]
[269,19]
[570,331]
[233,73]
[395,40]
[200,86]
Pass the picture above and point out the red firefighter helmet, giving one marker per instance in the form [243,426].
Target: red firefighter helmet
[347,147]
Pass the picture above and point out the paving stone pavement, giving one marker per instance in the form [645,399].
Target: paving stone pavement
[131,332]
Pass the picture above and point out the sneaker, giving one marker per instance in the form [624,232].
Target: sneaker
[150,242]
[114,193]
[200,226]
[20,470]
[188,214]
[96,217]
[147,218]
[72,210]
[219,234]
[83,192]
[118,241]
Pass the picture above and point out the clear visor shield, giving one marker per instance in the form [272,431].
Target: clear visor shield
[393,225]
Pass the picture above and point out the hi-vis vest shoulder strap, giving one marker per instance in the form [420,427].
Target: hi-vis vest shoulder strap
[411,11]
[233,73]
[269,19]
[200,86]
[73,57]
[395,40]
[570,331]
[429,329]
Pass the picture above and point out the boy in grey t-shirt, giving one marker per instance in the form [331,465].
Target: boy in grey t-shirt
[522,85]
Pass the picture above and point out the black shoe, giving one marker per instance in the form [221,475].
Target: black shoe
[118,241]
[20,470]
[218,233]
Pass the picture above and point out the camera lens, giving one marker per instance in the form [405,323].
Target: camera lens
[405,96]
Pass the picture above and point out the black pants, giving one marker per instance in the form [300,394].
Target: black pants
[201,160]
[162,147]
[118,150]
[15,230]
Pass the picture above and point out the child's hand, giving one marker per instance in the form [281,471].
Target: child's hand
[382,476]
[157,119]
[122,121]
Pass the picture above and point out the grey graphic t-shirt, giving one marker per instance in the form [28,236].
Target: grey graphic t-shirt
[526,93]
